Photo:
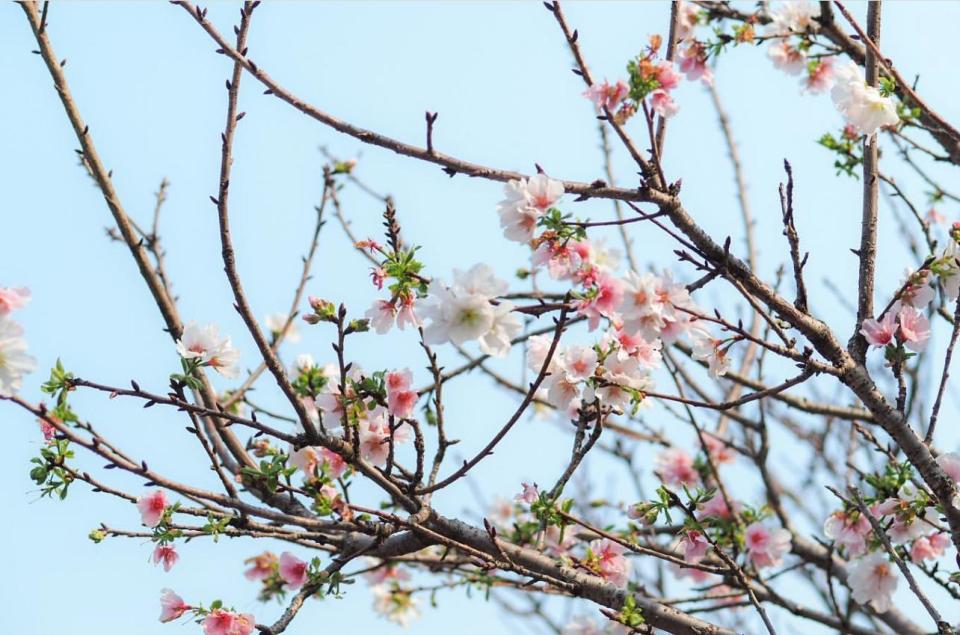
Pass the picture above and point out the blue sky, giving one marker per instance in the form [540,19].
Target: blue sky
[147,81]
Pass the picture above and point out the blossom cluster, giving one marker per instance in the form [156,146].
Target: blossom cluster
[201,345]
[791,33]
[215,621]
[905,513]
[642,311]
[14,360]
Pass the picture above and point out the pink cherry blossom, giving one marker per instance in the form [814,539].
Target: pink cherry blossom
[880,333]
[563,393]
[293,570]
[765,547]
[693,63]
[400,399]
[375,437]
[915,329]
[387,572]
[261,567]
[529,494]
[11,299]
[666,76]
[719,451]
[819,76]
[579,362]
[613,565]
[167,555]
[382,316]
[334,465]
[378,275]
[663,104]
[675,467]
[929,547]
[711,350]
[306,460]
[172,606]
[609,295]
[848,529]
[407,315]
[152,505]
[607,95]
[787,58]
[717,507]
[873,580]
[223,622]
[694,546]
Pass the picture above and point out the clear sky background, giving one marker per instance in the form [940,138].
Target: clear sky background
[147,81]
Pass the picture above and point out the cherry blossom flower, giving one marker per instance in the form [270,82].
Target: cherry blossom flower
[663,104]
[606,95]
[262,566]
[787,58]
[675,467]
[275,323]
[385,572]
[204,343]
[579,362]
[666,76]
[710,349]
[375,437]
[793,16]
[14,361]
[333,464]
[694,546]
[529,494]
[526,200]
[819,76]
[541,191]
[604,302]
[915,329]
[377,276]
[395,604]
[765,547]
[862,106]
[400,399]
[718,508]
[917,291]
[929,547]
[612,565]
[506,326]
[848,529]
[152,504]
[166,555]
[382,316]
[880,333]
[687,19]
[172,606]
[49,432]
[306,459]
[456,318]
[693,64]
[293,570]
[407,315]
[12,299]
[719,451]
[224,622]
[621,376]
[872,580]
[564,393]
